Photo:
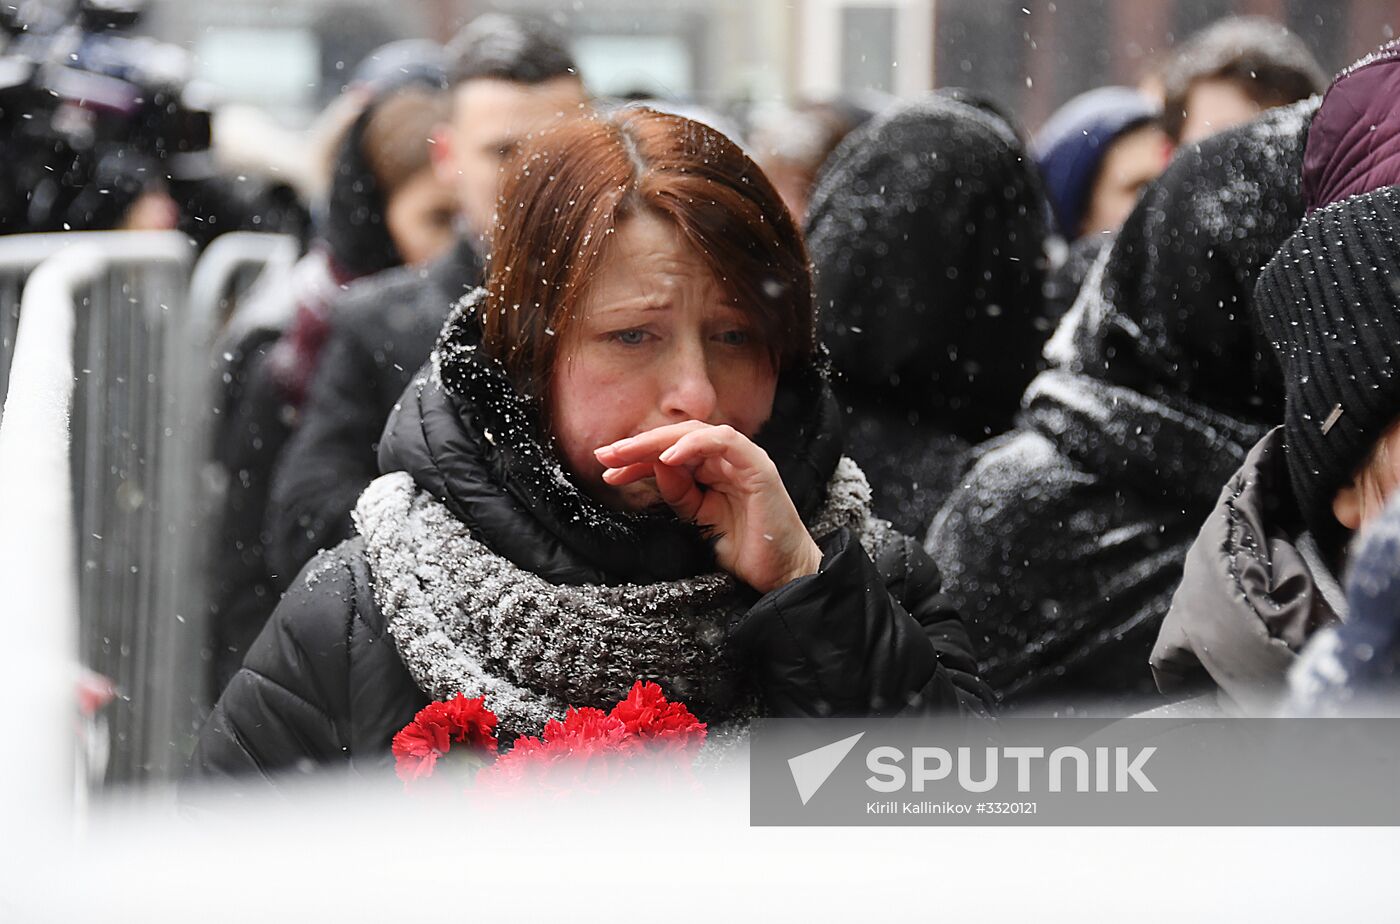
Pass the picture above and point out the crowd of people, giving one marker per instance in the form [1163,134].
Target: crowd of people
[881,409]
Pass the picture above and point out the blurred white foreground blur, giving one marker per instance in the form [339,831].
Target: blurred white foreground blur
[345,855]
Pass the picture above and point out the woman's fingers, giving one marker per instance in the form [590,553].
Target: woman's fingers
[679,491]
[628,473]
[689,460]
[646,447]
[725,443]
[677,485]
[717,477]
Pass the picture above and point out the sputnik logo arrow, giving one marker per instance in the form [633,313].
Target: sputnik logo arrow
[812,769]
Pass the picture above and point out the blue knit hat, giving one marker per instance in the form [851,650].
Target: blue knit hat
[1072,144]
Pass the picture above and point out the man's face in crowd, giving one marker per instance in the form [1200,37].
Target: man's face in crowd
[1214,105]
[1135,159]
[489,118]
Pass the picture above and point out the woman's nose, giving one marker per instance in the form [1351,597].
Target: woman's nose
[690,391]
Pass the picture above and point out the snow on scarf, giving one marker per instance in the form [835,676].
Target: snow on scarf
[468,620]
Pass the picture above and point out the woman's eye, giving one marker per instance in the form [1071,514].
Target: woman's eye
[735,338]
[630,337]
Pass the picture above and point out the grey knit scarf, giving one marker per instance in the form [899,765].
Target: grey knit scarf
[467,620]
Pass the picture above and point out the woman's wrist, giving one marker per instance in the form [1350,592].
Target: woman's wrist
[808,562]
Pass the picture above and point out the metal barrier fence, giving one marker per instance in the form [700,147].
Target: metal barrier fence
[19,255]
[231,264]
[228,267]
[103,444]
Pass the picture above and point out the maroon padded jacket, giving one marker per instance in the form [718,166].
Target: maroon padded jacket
[1354,142]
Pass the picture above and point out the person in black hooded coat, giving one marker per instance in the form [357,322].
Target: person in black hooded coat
[500,558]
[1066,540]
[927,235]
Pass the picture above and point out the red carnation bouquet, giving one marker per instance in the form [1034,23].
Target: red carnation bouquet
[438,726]
[644,735]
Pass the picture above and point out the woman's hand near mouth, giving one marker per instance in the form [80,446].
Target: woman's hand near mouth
[718,478]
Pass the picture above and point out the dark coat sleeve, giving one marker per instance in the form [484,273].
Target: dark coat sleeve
[860,638]
[285,709]
[331,458]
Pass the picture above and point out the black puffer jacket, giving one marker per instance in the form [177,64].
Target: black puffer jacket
[1065,542]
[325,684]
[926,230]
[250,433]
[381,333]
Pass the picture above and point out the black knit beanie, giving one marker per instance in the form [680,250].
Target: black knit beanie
[1330,302]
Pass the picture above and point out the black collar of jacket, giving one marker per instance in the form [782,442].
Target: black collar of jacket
[468,438]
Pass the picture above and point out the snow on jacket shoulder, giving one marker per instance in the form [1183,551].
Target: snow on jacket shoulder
[1254,590]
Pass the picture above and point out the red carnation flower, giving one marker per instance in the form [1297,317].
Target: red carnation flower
[654,720]
[589,748]
[430,735]
[418,746]
[471,722]
[581,752]
[587,728]
[584,750]
[524,758]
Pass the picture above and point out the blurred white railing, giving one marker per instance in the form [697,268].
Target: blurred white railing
[19,255]
[37,667]
[232,262]
[109,385]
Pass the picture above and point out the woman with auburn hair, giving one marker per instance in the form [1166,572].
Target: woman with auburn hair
[622,462]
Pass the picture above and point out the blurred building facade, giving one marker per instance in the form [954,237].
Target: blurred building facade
[1034,55]
[291,56]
